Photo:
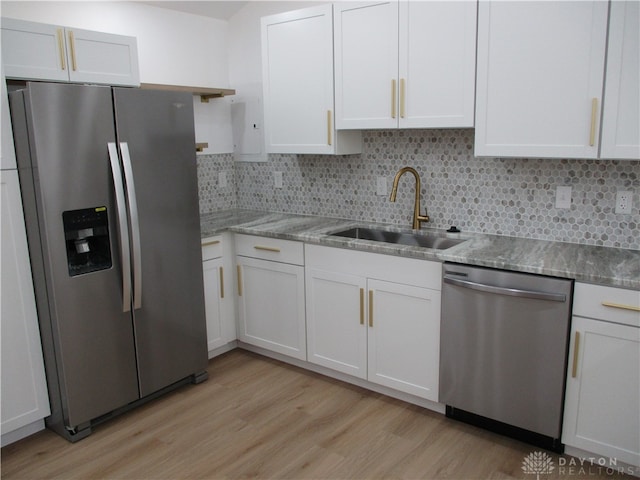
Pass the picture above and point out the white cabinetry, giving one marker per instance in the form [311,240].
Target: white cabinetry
[270,283]
[540,78]
[51,52]
[218,296]
[375,317]
[7,152]
[406,64]
[297,66]
[602,404]
[25,402]
[621,109]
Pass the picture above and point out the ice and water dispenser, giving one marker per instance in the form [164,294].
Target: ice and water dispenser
[86,234]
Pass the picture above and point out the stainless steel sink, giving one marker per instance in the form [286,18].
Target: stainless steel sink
[416,239]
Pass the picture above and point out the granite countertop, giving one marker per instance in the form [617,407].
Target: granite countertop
[599,265]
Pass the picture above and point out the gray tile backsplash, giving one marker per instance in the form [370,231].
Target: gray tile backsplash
[503,196]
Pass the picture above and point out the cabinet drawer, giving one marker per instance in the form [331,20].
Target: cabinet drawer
[607,303]
[211,248]
[266,248]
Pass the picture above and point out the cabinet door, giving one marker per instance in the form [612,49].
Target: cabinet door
[271,306]
[366,65]
[33,51]
[216,297]
[96,57]
[602,404]
[336,328]
[297,67]
[437,64]
[621,110]
[24,390]
[539,78]
[404,338]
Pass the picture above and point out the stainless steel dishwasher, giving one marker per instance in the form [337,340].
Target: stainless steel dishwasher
[503,351]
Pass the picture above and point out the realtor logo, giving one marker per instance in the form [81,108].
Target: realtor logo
[537,463]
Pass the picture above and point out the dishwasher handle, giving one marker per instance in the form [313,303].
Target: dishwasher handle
[513,292]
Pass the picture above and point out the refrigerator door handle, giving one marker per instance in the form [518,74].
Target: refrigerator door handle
[135,226]
[122,226]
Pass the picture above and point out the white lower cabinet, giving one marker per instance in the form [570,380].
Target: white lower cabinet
[602,404]
[25,402]
[384,331]
[218,296]
[270,288]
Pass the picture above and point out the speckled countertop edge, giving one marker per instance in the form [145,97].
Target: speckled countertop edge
[599,265]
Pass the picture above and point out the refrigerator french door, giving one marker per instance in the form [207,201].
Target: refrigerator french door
[109,186]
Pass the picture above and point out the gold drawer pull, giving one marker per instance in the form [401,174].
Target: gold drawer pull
[239,277]
[72,43]
[393,98]
[371,308]
[329,127]
[594,112]
[402,97]
[60,36]
[213,242]
[633,308]
[266,249]
[362,306]
[221,282]
[576,347]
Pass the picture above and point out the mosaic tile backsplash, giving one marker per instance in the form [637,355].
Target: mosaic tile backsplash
[502,196]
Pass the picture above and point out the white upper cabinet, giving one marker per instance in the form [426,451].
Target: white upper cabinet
[621,109]
[540,78]
[405,64]
[8,155]
[297,68]
[437,64]
[36,51]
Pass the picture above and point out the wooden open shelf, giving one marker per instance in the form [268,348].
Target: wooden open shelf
[204,93]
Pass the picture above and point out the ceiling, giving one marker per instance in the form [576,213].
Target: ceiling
[222,10]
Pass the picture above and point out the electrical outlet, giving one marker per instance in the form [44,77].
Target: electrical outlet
[624,200]
[563,197]
[277,178]
[381,186]
[222,179]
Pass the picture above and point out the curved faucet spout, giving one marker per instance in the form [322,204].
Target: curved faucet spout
[417,218]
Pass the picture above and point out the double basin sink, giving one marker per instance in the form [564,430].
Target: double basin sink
[424,240]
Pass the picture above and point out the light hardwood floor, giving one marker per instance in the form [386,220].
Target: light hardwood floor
[259,418]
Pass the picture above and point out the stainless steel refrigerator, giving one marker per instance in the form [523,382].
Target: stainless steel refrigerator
[109,185]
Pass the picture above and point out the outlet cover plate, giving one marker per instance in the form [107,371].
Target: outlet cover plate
[624,200]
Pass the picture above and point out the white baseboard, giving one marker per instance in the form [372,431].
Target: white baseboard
[22,432]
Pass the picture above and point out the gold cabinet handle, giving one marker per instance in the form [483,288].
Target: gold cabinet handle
[393,98]
[633,308]
[362,306]
[72,43]
[402,97]
[329,127]
[213,242]
[576,347]
[594,114]
[266,249]
[221,282]
[371,308]
[60,37]
[239,277]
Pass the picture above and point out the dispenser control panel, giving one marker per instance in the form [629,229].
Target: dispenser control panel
[86,234]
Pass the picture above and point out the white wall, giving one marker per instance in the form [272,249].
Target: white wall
[174,48]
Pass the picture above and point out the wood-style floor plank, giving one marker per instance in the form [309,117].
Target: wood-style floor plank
[259,418]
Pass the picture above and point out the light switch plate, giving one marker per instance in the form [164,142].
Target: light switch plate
[277,179]
[563,197]
[381,186]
